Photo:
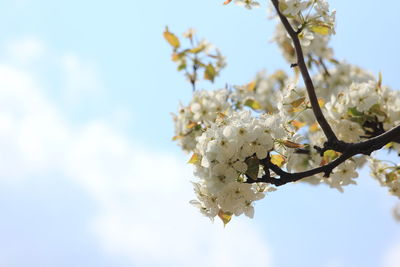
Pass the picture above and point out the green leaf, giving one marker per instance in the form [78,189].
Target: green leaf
[209,72]
[182,66]
[354,112]
[171,38]
[253,166]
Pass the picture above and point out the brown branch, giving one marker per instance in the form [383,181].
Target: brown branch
[330,135]
[352,149]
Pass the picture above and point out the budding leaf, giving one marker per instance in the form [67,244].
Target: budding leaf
[194,159]
[252,104]
[253,166]
[225,216]
[171,38]
[278,160]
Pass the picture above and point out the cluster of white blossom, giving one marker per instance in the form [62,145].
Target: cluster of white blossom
[261,93]
[233,135]
[309,18]
[317,46]
[228,154]
[203,109]
[387,175]
[352,111]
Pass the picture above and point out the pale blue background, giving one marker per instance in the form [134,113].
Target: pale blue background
[43,221]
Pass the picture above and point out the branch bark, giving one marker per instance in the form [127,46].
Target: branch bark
[330,135]
[348,150]
[352,149]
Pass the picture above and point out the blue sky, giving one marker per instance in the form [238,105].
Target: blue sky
[89,176]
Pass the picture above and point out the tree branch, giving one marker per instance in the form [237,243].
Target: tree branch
[330,135]
[352,149]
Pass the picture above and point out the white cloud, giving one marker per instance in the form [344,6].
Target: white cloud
[142,194]
[81,79]
[25,50]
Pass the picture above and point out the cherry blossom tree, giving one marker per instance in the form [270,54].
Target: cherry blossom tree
[248,140]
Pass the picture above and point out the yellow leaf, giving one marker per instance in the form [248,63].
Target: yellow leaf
[291,144]
[321,29]
[210,72]
[198,49]
[191,125]
[297,124]
[278,160]
[178,56]
[251,86]
[298,102]
[321,102]
[225,216]
[389,145]
[252,104]
[171,38]
[314,127]
[177,137]
[328,156]
[194,159]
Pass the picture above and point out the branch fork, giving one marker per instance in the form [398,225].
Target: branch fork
[348,150]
